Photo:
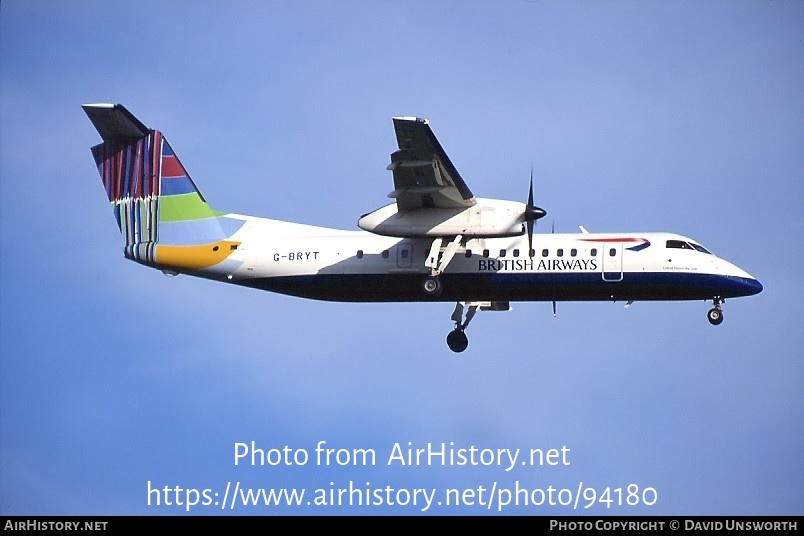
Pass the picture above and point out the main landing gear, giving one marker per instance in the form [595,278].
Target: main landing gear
[431,286]
[437,262]
[457,339]
[715,314]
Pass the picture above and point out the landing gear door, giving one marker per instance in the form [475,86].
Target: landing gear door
[612,262]
[404,255]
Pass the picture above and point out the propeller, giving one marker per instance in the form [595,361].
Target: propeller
[532,213]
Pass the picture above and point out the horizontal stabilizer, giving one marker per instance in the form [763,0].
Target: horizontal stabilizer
[114,122]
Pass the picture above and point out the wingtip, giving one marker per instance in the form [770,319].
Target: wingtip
[114,121]
[411,119]
[98,105]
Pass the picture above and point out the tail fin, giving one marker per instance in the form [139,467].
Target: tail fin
[163,218]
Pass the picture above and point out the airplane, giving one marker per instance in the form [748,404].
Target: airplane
[436,242]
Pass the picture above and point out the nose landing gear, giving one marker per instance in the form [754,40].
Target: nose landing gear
[715,314]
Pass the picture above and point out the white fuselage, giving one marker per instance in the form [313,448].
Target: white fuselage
[331,264]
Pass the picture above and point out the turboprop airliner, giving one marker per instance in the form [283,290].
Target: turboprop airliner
[435,242]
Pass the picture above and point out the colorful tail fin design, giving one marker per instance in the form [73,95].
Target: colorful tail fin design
[162,216]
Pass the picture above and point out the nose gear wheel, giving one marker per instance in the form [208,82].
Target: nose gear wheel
[715,314]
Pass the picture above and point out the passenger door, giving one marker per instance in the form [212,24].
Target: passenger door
[612,262]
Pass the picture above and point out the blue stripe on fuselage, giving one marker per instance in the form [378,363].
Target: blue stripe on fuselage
[509,286]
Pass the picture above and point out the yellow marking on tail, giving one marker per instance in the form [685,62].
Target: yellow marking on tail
[194,257]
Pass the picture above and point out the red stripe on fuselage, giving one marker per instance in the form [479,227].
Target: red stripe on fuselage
[613,239]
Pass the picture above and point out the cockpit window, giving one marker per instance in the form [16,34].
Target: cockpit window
[680,244]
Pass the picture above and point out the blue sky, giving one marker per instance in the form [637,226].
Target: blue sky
[636,116]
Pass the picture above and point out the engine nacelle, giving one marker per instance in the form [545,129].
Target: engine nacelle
[486,219]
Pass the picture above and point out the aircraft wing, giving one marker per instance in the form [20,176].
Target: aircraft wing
[424,176]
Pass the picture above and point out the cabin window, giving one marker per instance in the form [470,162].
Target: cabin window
[468,253]
[532,253]
[593,253]
[359,253]
[559,253]
[385,254]
[502,253]
[516,253]
[573,252]
[545,253]
[612,252]
[486,253]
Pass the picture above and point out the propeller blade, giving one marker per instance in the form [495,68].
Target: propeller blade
[532,213]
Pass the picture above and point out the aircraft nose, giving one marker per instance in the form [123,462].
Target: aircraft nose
[743,282]
[746,286]
[753,286]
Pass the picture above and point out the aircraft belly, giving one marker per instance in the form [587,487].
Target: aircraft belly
[398,287]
